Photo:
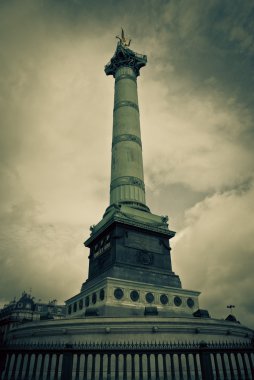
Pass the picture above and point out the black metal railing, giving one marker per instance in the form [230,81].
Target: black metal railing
[128,361]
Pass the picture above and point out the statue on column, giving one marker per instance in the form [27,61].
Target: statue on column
[123,40]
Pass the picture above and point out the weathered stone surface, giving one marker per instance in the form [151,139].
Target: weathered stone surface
[129,243]
[133,253]
[120,300]
[127,177]
[138,329]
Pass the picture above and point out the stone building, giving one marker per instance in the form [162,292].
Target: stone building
[25,310]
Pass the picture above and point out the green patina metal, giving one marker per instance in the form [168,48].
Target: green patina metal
[129,243]
[127,178]
[125,57]
[126,137]
[126,103]
[126,76]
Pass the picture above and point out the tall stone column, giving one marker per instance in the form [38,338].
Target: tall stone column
[127,177]
[130,243]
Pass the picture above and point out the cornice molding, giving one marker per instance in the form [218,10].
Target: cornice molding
[125,57]
[127,180]
[126,103]
[126,137]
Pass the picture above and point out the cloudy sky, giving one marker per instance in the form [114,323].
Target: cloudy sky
[196,104]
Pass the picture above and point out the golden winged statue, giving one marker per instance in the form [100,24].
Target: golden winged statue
[124,41]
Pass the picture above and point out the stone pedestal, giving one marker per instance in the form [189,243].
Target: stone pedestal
[113,297]
[132,245]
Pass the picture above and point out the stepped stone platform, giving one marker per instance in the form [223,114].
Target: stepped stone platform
[137,329]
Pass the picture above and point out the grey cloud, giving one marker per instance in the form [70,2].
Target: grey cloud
[173,199]
[198,142]
[37,255]
[217,245]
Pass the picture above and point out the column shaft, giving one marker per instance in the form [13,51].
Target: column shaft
[127,178]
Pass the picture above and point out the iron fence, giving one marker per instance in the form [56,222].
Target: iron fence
[128,361]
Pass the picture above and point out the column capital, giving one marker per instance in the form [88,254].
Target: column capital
[125,57]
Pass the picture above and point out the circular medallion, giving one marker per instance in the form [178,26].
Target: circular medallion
[177,301]
[80,304]
[94,298]
[102,294]
[149,297]
[146,258]
[164,299]
[87,301]
[190,302]
[118,293]
[134,295]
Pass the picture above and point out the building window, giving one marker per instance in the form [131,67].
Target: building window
[80,304]
[75,307]
[118,293]
[134,295]
[102,294]
[94,298]
[149,297]
[69,309]
[164,299]
[87,301]
[177,301]
[190,302]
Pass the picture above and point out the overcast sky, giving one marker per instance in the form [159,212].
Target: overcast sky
[196,106]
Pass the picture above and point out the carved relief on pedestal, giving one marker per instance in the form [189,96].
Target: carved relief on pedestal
[145,258]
